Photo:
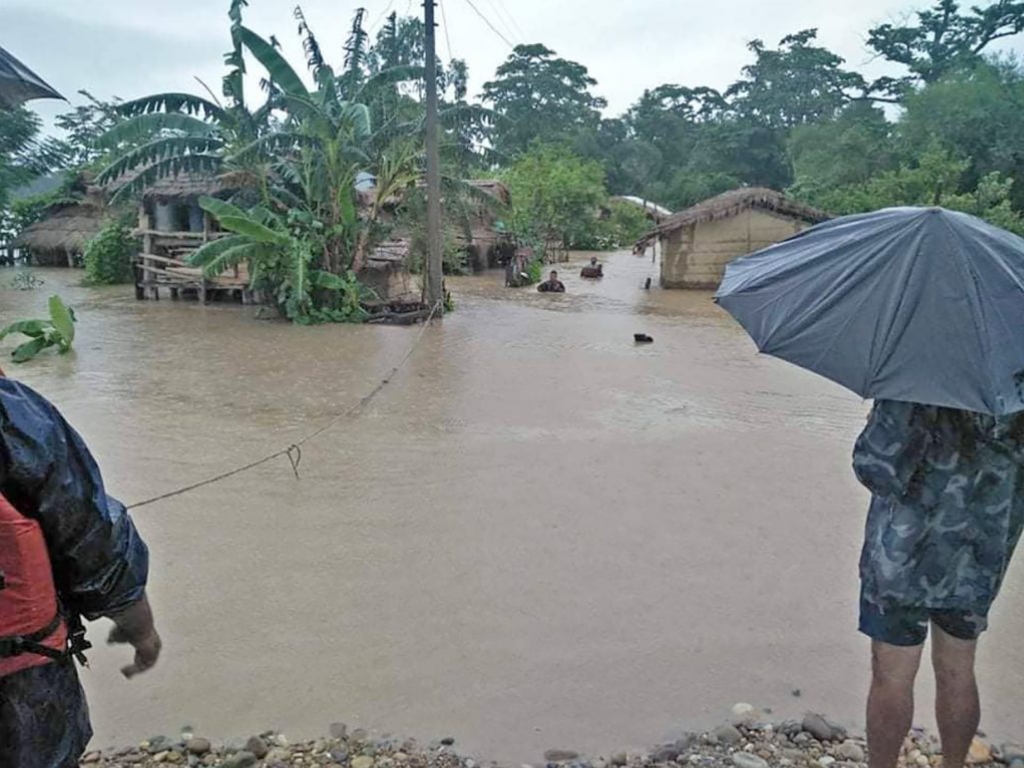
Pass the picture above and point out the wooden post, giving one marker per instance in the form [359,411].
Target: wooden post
[147,279]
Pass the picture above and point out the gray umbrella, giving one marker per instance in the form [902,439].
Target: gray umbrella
[19,84]
[914,304]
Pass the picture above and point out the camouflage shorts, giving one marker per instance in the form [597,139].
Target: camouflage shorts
[908,626]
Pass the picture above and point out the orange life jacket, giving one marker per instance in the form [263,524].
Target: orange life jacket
[32,631]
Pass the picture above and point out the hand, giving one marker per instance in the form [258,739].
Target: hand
[134,625]
[147,650]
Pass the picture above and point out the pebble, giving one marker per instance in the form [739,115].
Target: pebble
[198,746]
[822,728]
[91,757]
[728,734]
[827,761]
[561,755]
[851,752]
[362,762]
[1012,753]
[338,731]
[620,759]
[979,753]
[745,760]
[241,759]
[447,741]
[257,746]
[745,714]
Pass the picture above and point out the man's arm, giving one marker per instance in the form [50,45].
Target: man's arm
[891,448]
[99,560]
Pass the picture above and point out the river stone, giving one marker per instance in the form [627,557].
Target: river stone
[198,746]
[746,760]
[241,759]
[827,761]
[822,728]
[666,753]
[729,735]
[851,752]
[362,762]
[257,746]
[620,759]
[980,753]
[1012,753]
[560,755]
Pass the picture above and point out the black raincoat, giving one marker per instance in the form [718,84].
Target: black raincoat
[100,566]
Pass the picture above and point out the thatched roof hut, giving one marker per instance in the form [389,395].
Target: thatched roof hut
[732,203]
[60,237]
[698,242]
[186,187]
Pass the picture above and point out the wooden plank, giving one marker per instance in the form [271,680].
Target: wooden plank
[152,257]
[197,236]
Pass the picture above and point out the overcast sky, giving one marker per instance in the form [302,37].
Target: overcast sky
[131,48]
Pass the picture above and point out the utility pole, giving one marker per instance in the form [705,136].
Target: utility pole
[434,288]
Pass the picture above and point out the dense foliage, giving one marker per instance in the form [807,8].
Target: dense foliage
[944,130]
[108,256]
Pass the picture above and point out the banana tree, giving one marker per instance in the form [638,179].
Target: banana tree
[326,141]
[284,253]
[181,133]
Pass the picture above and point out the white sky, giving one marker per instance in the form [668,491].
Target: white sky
[132,48]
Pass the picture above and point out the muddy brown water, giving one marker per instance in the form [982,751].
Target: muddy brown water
[540,535]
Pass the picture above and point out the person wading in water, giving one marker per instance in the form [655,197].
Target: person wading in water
[552,284]
[946,515]
[66,550]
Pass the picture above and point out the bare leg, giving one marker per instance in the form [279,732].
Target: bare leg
[957,706]
[891,701]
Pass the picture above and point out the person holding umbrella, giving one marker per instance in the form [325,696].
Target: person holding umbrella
[920,310]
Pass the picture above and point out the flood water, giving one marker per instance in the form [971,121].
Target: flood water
[539,535]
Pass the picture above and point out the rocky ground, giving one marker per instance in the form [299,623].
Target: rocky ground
[749,741]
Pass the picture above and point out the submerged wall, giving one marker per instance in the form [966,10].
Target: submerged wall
[696,256]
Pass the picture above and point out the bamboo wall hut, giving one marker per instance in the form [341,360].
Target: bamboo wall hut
[697,243]
[171,227]
[60,237]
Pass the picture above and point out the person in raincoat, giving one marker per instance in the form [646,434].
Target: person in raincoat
[67,550]
[946,514]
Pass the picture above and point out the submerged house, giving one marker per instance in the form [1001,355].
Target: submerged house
[59,238]
[697,243]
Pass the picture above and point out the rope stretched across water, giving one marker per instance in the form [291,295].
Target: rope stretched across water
[294,451]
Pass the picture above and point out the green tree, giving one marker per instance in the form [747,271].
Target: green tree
[795,84]
[974,112]
[944,39]
[175,133]
[848,150]
[556,196]
[540,97]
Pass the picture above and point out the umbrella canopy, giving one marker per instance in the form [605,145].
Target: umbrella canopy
[19,84]
[914,304]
